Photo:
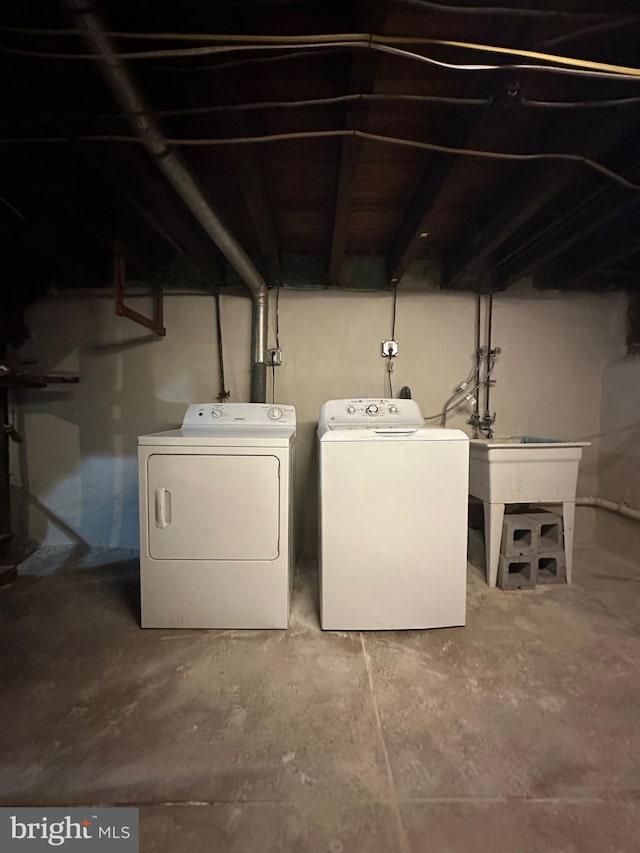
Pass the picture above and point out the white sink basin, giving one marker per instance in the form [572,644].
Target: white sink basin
[502,472]
[513,472]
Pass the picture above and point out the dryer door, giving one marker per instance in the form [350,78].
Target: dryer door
[213,507]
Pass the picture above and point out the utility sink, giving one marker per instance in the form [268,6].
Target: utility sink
[502,472]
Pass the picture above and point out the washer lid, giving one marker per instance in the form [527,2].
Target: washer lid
[383,434]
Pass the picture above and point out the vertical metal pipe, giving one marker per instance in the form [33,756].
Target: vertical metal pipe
[169,162]
[478,361]
[489,355]
[5,484]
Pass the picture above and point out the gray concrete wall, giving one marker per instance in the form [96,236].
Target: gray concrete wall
[619,462]
[75,476]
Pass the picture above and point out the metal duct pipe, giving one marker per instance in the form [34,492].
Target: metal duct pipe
[149,132]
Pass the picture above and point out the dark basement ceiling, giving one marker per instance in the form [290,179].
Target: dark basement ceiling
[325,210]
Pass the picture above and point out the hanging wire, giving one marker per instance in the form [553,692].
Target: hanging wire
[563,64]
[278,315]
[394,302]
[360,134]
[365,97]
[393,312]
[223,394]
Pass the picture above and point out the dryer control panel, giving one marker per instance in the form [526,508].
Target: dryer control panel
[239,414]
[370,412]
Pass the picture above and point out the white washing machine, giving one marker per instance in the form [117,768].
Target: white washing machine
[216,518]
[393,518]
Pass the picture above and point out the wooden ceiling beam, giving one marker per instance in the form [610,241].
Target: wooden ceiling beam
[371,18]
[408,239]
[252,175]
[406,243]
[170,218]
[588,220]
[597,255]
[468,258]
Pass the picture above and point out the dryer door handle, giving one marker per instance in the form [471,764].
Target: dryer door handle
[163,507]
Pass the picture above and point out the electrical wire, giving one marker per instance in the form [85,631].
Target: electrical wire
[241,63]
[394,303]
[568,105]
[261,105]
[556,14]
[590,30]
[273,366]
[326,134]
[223,394]
[564,64]
[321,102]
[393,312]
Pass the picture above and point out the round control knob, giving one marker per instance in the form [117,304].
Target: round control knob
[372,409]
[216,413]
[275,413]
[351,410]
[393,410]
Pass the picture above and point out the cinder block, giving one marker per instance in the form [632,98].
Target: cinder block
[550,530]
[517,572]
[552,567]
[519,535]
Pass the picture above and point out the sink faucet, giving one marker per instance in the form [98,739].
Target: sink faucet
[487,423]
[482,424]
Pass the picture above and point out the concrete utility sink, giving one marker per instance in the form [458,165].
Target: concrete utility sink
[502,472]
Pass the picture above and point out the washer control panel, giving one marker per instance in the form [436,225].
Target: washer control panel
[371,412]
[239,414]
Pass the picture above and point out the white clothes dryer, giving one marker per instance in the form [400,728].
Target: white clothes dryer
[216,518]
[393,517]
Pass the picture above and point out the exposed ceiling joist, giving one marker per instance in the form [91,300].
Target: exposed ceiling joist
[303,194]
[170,218]
[589,219]
[371,18]
[465,262]
[252,174]
[414,228]
[596,256]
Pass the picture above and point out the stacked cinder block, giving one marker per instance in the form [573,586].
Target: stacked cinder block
[531,550]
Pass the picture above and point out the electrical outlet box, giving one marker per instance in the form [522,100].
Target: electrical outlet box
[389,349]
[274,357]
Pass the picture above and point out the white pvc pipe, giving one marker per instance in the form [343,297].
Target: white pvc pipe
[612,506]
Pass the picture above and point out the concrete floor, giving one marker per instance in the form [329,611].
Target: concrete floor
[517,733]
